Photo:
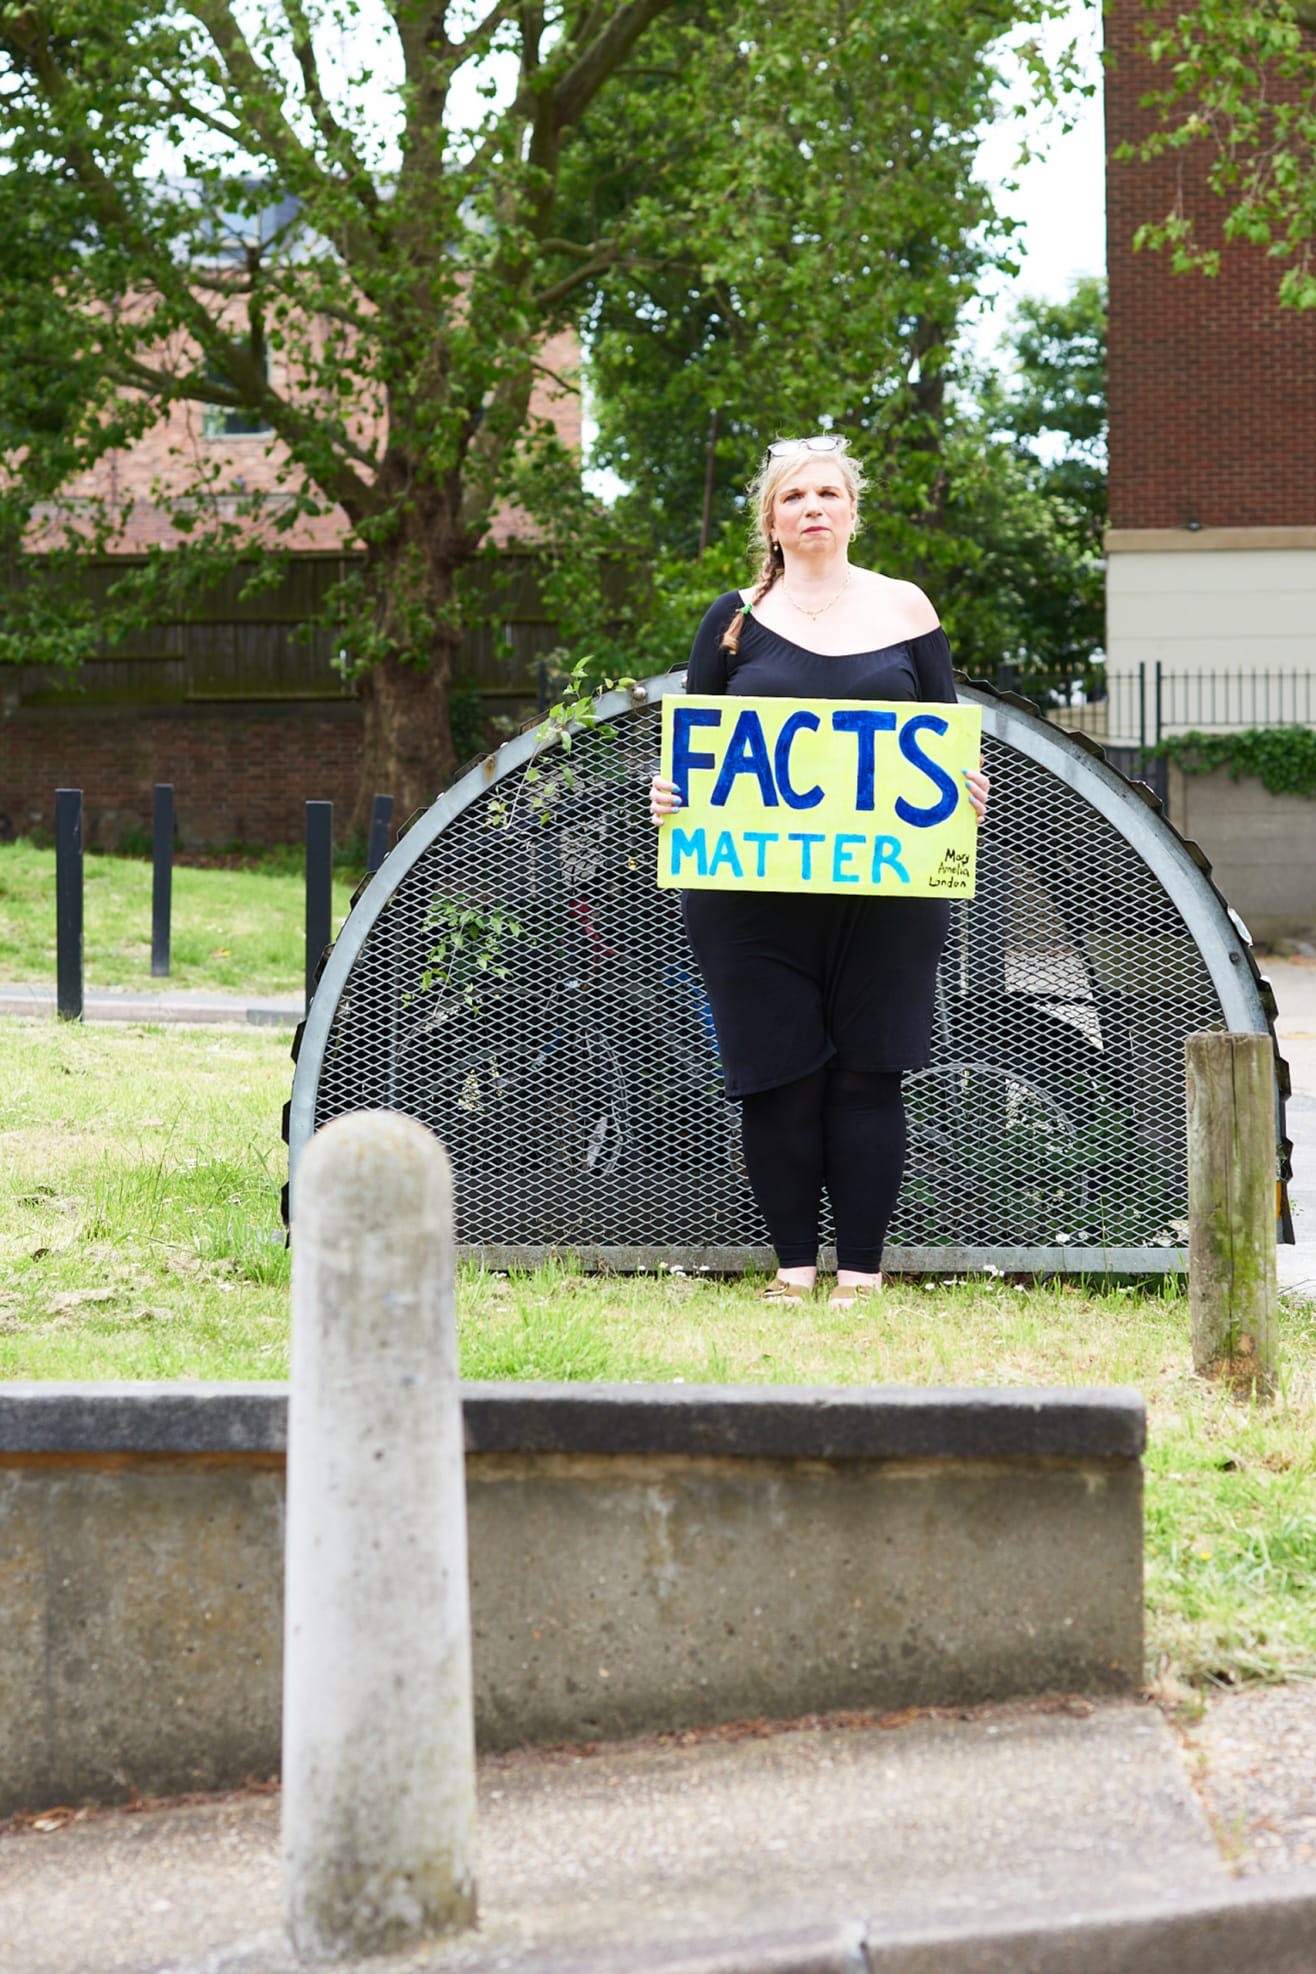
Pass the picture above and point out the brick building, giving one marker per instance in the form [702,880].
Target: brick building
[191,441]
[1212,537]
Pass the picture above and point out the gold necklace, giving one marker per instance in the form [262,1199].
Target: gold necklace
[812,615]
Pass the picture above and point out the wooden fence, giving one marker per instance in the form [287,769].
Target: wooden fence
[255,650]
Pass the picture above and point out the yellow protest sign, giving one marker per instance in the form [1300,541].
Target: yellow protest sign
[819,795]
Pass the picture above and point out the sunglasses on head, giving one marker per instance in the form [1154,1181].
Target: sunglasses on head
[825,442]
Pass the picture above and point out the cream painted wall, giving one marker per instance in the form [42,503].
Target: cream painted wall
[1216,606]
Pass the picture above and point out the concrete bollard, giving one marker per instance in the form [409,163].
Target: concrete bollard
[378,1735]
[1232,1274]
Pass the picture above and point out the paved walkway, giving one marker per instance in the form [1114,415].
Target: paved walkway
[1054,1838]
[184,1007]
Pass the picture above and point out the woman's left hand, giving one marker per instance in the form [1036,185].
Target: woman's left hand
[979,788]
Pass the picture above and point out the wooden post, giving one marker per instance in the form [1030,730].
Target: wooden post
[1232,1281]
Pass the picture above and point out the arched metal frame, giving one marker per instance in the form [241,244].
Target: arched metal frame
[577,1086]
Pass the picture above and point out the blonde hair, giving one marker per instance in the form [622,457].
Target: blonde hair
[763,490]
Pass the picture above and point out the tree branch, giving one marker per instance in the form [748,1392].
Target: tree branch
[179,106]
[338,139]
[587,21]
[134,374]
[256,88]
[431,56]
[608,49]
[504,416]
[262,98]
[569,386]
[548,112]
[343,485]
[574,247]
[477,42]
[557,291]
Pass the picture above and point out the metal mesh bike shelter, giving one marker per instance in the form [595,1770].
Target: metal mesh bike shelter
[513,978]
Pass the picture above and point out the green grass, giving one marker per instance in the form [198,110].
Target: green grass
[234,931]
[139,1202]
[139,1238]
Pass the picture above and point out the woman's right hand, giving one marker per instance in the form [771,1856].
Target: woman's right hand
[663,799]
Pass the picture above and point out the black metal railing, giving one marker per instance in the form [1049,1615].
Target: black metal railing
[1140,705]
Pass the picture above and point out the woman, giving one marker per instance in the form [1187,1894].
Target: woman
[820,1002]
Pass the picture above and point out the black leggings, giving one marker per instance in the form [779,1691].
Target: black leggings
[839,1128]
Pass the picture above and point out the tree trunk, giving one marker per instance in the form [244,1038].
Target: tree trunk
[408,751]
[410,582]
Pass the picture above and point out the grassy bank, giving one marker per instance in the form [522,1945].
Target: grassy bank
[234,930]
[139,1237]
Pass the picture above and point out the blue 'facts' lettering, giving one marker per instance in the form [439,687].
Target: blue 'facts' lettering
[937,775]
[866,725]
[747,754]
[781,759]
[683,759]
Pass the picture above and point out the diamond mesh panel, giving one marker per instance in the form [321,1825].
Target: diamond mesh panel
[527,993]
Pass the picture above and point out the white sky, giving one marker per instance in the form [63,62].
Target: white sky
[1061,195]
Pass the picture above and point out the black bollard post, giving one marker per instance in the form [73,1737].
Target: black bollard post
[319,886]
[163,879]
[68,903]
[381,819]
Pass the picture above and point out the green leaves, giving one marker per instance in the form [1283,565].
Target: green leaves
[1239,83]
[803,224]
[466,949]
[1283,759]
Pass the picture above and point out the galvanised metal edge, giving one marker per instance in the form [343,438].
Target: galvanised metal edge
[1007,718]
[1067,1259]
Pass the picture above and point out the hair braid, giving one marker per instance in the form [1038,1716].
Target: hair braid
[769,569]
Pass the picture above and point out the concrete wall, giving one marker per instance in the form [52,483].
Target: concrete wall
[1262,848]
[1216,600]
[640,1559]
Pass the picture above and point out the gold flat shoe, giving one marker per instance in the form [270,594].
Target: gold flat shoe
[851,1294]
[789,1295]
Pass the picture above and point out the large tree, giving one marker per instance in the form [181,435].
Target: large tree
[272,208]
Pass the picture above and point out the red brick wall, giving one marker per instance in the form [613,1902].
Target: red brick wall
[1212,384]
[240,775]
[169,454]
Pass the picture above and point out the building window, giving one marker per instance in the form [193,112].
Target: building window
[218,422]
